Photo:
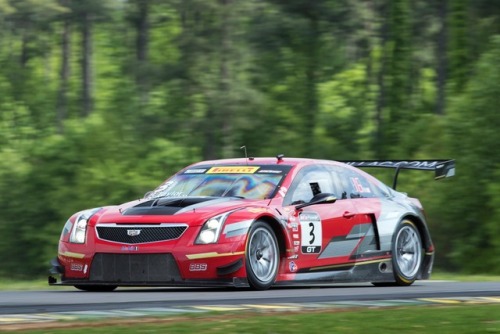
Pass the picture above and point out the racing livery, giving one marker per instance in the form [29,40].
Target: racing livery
[254,222]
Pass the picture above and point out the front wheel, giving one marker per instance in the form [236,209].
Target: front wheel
[262,256]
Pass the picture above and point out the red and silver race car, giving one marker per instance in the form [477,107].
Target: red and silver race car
[255,222]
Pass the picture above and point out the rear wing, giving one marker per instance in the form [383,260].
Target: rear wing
[442,167]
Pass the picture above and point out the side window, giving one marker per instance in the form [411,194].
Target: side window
[360,187]
[310,181]
[338,182]
[352,184]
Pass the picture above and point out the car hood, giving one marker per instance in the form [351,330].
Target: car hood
[190,210]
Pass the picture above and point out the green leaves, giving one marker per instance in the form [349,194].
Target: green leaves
[173,82]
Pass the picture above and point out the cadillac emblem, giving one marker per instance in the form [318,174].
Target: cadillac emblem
[133,233]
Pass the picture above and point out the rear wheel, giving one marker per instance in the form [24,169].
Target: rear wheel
[406,255]
[262,256]
[96,288]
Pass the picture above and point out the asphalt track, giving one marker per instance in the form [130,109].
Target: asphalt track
[63,300]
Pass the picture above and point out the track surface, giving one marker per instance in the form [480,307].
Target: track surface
[55,300]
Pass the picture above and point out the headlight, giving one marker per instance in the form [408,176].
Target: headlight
[66,229]
[79,231]
[210,231]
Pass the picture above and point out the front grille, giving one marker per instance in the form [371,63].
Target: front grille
[134,268]
[138,234]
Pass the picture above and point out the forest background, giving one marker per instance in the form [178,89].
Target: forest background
[101,100]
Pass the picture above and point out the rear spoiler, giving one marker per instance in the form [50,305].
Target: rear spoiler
[442,167]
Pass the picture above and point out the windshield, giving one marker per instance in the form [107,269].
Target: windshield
[252,182]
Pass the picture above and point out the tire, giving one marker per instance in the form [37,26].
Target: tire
[96,288]
[407,255]
[262,256]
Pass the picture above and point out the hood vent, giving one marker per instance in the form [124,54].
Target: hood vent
[172,205]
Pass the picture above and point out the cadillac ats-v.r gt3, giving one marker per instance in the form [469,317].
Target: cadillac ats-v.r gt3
[254,222]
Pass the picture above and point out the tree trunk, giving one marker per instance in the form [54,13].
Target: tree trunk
[441,59]
[62,99]
[459,61]
[87,77]
[225,108]
[399,74]
[142,49]
[24,49]
[311,98]
[378,140]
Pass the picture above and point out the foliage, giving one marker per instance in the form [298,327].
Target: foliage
[102,100]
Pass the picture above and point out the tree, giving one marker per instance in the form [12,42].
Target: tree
[475,121]
[140,18]
[459,48]
[64,72]
[87,13]
[398,73]
[441,55]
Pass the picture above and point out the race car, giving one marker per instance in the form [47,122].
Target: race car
[254,222]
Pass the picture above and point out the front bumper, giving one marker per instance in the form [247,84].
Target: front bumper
[156,269]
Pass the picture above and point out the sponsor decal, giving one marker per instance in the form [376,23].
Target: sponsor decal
[283,191]
[358,186]
[293,267]
[161,189]
[293,257]
[198,267]
[233,170]
[270,171]
[429,164]
[296,249]
[311,231]
[175,194]
[295,227]
[195,171]
[256,210]
[296,242]
[76,267]
[295,235]
[133,233]
[85,269]
[130,248]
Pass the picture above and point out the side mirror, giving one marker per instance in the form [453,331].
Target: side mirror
[322,198]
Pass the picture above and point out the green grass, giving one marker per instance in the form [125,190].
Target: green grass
[9,284]
[36,284]
[464,278]
[417,319]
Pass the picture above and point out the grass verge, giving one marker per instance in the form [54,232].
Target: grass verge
[464,278]
[462,318]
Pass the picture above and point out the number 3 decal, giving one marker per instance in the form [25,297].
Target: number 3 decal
[310,225]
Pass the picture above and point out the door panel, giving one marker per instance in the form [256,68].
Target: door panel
[335,234]
[328,234]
